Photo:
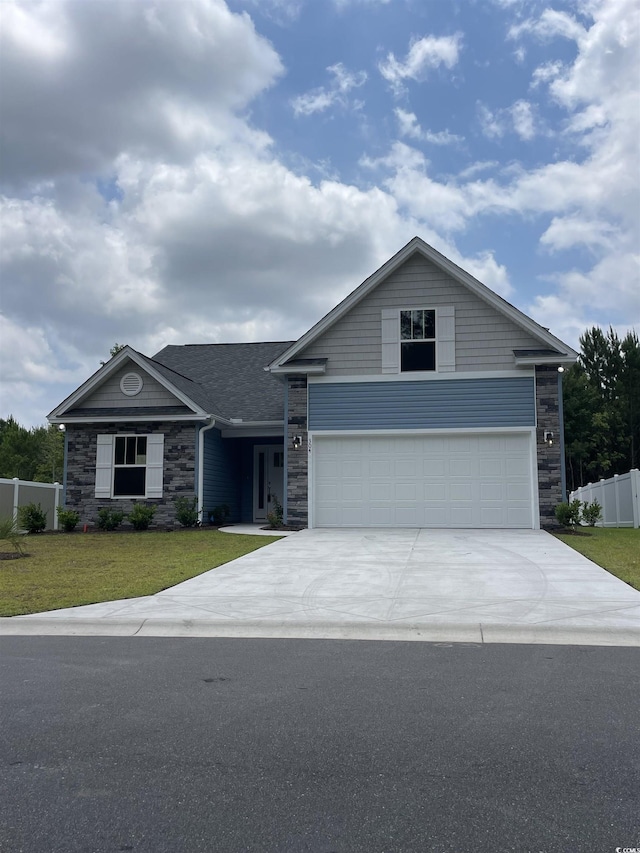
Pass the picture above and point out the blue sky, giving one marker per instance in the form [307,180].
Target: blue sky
[201,171]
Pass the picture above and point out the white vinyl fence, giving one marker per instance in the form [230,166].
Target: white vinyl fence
[16,493]
[618,496]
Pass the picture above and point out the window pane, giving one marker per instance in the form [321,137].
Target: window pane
[120,445]
[260,480]
[141,450]
[418,356]
[130,456]
[417,323]
[129,481]
[429,324]
[405,325]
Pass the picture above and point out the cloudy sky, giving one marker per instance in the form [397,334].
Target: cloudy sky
[186,171]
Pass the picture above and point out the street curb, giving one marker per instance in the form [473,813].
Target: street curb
[544,634]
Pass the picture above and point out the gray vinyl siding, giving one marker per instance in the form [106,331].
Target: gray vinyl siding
[222,483]
[442,404]
[485,339]
[109,395]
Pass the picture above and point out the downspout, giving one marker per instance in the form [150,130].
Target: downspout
[200,495]
[285,485]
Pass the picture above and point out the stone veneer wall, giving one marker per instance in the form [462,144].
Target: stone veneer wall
[297,460]
[549,457]
[179,473]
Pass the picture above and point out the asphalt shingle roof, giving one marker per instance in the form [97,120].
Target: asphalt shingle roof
[227,379]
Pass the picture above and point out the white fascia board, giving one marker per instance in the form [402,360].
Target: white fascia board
[422,376]
[110,419]
[309,370]
[110,367]
[529,360]
[456,272]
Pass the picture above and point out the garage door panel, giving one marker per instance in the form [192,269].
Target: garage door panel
[406,491]
[479,480]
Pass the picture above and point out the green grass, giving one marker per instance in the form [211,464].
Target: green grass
[616,549]
[65,570]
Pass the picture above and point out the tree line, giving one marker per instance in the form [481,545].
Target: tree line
[31,454]
[601,395]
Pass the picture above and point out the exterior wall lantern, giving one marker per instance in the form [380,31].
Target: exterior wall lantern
[297,442]
[548,437]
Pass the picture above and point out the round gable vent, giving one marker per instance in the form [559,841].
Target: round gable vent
[131,384]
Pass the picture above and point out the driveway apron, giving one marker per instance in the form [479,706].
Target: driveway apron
[399,584]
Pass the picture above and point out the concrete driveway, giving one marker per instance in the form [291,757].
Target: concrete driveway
[458,585]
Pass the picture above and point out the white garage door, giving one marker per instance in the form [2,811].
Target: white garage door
[470,480]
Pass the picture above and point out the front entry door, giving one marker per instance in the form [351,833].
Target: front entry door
[268,479]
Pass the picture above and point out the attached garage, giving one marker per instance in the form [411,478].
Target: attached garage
[465,480]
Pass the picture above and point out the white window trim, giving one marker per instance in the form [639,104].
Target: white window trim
[105,466]
[444,340]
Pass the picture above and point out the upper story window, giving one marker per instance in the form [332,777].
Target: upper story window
[417,340]
[130,466]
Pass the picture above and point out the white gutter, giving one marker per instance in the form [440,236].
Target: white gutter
[200,495]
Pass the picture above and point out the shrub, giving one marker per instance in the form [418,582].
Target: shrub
[219,514]
[32,518]
[9,532]
[591,513]
[275,516]
[141,516]
[568,514]
[187,511]
[109,519]
[67,518]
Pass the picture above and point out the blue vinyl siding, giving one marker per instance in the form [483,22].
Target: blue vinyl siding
[442,404]
[222,484]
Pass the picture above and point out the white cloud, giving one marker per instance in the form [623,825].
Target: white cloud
[424,55]
[408,126]
[550,24]
[569,231]
[518,118]
[523,122]
[320,99]
[173,84]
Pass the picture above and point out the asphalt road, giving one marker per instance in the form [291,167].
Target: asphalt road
[157,745]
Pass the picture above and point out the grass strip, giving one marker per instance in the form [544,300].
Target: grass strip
[66,570]
[616,549]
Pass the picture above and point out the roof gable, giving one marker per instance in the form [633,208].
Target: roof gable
[418,246]
[98,393]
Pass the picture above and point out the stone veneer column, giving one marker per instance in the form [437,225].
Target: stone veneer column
[549,456]
[298,460]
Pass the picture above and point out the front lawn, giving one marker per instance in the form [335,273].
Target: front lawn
[616,549]
[68,569]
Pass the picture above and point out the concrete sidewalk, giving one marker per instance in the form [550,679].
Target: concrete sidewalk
[519,586]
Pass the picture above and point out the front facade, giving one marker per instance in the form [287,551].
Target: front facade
[422,400]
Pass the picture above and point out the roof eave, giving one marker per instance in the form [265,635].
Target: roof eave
[113,419]
[309,369]
[532,360]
